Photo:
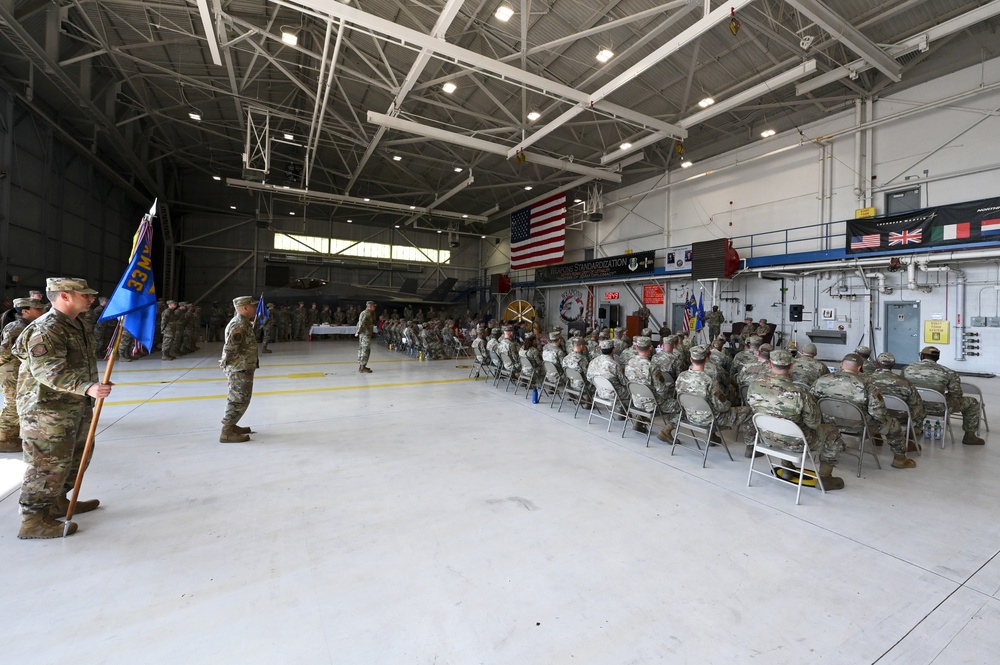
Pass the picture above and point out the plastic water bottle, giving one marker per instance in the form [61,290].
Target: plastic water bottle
[534,396]
[937,430]
[927,429]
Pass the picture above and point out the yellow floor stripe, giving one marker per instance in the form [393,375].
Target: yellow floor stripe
[286,392]
[215,367]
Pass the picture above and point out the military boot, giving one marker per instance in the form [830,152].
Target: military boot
[10,444]
[230,435]
[970,439]
[903,462]
[62,505]
[748,452]
[830,482]
[667,433]
[640,427]
[364,368]
[40,525]
[242,430]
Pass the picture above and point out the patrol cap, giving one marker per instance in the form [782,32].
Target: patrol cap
[370,303]
[602,336]
[809,349]
[643,342]
[886,359]
[765,350]
[781,358]
[494,329]
[69,285]
[29,302]
[853,358]
[607,344]
[930,351]
[755,341]
[699,353]
[579,341]
[555,334]
[508,329]
[863,351]
[528,336]
[243,301]
[646,332]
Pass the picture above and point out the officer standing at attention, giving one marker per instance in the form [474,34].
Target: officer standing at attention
[366,327]
[168,328]
[58,384]
[715,319]
[239,361]
[27,310]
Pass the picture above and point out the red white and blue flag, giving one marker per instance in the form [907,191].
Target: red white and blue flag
[866,241]
[538,234]
[906,237]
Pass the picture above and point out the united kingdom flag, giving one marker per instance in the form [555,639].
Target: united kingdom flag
[906,237]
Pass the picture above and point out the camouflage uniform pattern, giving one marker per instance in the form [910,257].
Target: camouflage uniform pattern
[299,324]
[714,319]
[776,395]
[216,319]
[239,360]
[534,358]
[57,368]
[702,384]
[610,369]
[508,350]
[643,371]
[579,362]
[855,388]
[366,328]
[892,384]
[929,374]
[554,353]
[168,328]
[9,366]
[806,370]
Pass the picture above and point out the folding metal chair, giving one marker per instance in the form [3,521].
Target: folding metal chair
[851,421]
[550,386]
[637,416]
[694,403]
[575,394]
[934,402]
[901,410]
[974,390]
[527,377]
[601,384]
[770,425]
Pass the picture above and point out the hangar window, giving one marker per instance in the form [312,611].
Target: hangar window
[368,250]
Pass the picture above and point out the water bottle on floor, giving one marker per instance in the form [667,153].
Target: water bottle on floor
[937,430]
[927,429]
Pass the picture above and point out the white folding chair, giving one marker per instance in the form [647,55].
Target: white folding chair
[638,416]
[575,394]
[772,426]
[901,410]
[691,404]
[936,401]
[601,384]
[551,386]
[527,377]
[974,390]
[851,421]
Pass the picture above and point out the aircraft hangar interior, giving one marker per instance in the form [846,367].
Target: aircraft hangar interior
[510,312]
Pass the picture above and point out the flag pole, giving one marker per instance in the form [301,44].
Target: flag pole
[91,433]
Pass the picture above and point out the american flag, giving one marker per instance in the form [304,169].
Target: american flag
[906,237]
[866,241]
[538,234]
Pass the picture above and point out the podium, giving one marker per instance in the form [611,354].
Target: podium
[633,326]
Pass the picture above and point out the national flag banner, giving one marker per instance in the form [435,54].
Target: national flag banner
[951,232]
[866,241]
[701,312]
[134,299]
[262,312]
[538,234]
[989,227]
[905,237]
[687,314]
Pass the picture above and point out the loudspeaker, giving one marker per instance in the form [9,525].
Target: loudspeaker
[795,312]
[602,313]
[714,259]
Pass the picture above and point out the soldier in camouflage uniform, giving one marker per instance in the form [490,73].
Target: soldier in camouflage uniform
[216,319]
[299,322]
[577,359]
[696,381]
[668,360]
[747,355]
[594,344]
[58,382]
[775,394]
[102,329]
[714,319]
[479,347]
[493,343]
[326,316]
[530,352]
[239,361]
[752,370]
[339,318]
[554,352]
[26,311]
[267,326]
[718,355]
[605,365]
[806,368]
[168,329]
[366,328]
[929,374]
[640,369]
[508,350]
[868,368]
[893,384]
[849,385]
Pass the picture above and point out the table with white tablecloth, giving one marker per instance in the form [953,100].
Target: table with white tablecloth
[331,330]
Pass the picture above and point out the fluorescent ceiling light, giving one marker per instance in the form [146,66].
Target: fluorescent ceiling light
[216,177]
[413,207]
[528,187]
[687,164]
[449,87]
[289,37]
[625,146]
[232,207]
[458,169]
[465,216]
[367,199]
[705,103]
[289,137]
[577,200]
[397,226]
[350,221]
[534,115]
[483,237]
[504,12]
[397,158]
[767,133]
[605,54]
[195,115]
[292,214]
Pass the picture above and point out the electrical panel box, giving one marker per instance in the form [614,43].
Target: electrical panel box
[993,322]
[978,321]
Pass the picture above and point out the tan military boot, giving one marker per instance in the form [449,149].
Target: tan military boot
[903,462]
[830,482]
[667,433]
[10,444]
[62,505]
[40,525]
[364,368]
[242,430]
[970,439]
[230,435]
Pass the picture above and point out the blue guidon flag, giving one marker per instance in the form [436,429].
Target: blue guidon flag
[538,234]
[134,299]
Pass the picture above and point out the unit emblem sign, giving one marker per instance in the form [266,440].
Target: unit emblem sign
[626,265]
[571,305]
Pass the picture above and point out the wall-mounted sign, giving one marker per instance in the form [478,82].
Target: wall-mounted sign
[652,294]
[611,295]
[936,332]
[626,265]
[571,305]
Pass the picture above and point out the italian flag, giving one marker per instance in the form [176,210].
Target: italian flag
[951,232]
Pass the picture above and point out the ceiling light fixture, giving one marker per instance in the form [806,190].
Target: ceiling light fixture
[397,158]
[528,187]
[367,199]
[458,169]
[232,207]
[288,36]
[397,226]
[194,114]
[687,164]
[577,200]
[439,230]
[534,115]
[449,87]
[216,177]
[767,133]
[706,102]
[483,237]
[350,221]
[465,216]
[604,55]
[292,214]
[412,208]
[504,12]
[625,146]
[289,137]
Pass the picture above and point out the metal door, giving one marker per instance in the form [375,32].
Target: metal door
[902,331]
[678,314]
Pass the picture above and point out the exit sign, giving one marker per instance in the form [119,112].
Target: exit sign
[611,295]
